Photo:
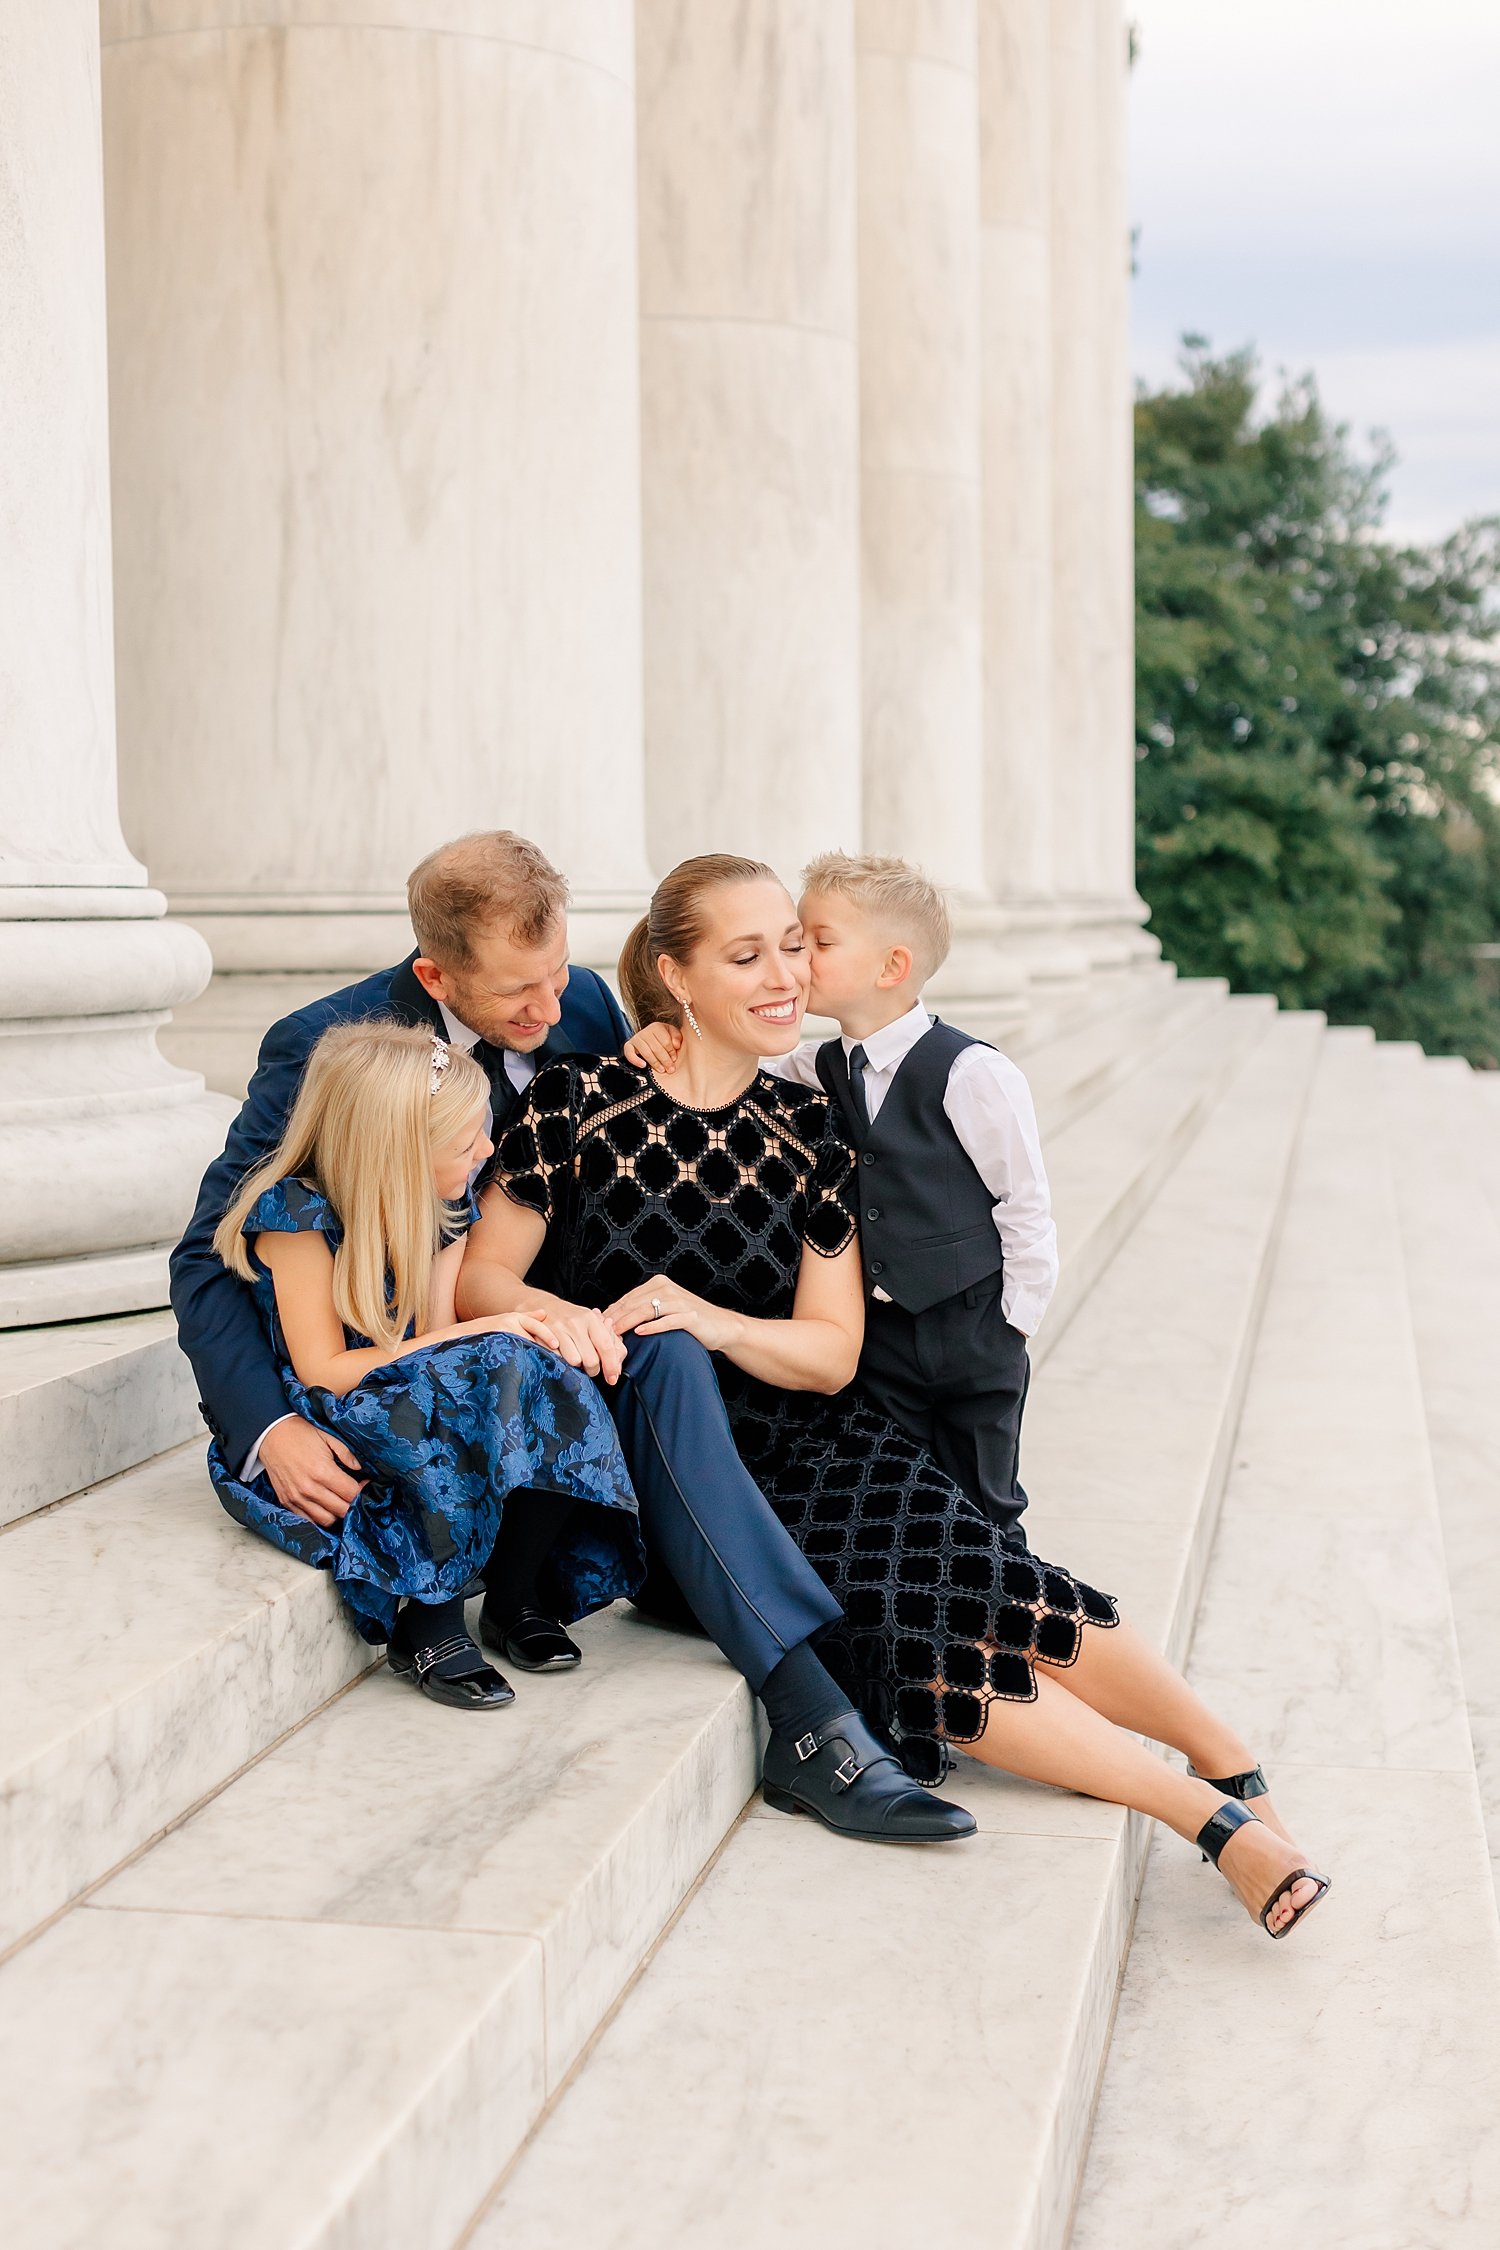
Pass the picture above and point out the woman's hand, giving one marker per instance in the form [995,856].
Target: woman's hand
[656,1046]
[659,1306]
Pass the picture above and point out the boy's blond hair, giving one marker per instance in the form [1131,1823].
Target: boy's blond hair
[903,903]
[370,1111]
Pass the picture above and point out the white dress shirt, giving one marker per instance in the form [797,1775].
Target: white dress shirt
[988,1103]
[520,1070]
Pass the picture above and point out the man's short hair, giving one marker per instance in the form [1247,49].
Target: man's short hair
[902,902]
[493,879]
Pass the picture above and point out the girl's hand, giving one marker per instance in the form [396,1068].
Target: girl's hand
[659,1305]
[655,1047]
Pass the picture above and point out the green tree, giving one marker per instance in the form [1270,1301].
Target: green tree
[1318,718]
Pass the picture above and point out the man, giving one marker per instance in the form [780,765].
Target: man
[490,973]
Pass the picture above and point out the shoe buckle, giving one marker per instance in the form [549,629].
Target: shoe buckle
[806,1747]
[846,1772]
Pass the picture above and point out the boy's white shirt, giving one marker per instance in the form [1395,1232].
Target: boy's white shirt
[988,1103]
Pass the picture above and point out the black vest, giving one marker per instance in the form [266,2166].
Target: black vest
[926,1218]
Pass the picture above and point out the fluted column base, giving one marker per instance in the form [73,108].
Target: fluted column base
[102,1140]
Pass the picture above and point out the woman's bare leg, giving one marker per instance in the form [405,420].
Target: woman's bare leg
[1062,1740]
[1121,1676]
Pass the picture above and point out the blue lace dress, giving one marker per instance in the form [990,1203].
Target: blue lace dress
[443,1435]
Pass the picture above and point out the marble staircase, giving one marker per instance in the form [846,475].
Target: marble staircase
[1343,2094]
[298,1959]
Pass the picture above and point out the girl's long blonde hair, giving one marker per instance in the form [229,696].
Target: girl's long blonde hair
[363,1129]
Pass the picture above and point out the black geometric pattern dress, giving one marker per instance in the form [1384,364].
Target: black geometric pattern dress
[941,1614]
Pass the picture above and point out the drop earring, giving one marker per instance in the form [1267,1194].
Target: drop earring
[695,1026]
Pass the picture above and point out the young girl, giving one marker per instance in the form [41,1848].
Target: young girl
[483,1453]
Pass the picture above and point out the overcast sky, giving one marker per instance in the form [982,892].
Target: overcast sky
[1322,178]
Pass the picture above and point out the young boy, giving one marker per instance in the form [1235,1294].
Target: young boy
[959,1249]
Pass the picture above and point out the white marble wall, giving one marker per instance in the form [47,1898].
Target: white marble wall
[375,391]
[660,427]
[100,1141]
[749,426]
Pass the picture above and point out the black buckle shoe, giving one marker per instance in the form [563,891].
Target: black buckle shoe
[845,1777]
[532,1641]
[452,1671]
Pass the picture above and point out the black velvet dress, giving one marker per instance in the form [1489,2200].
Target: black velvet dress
[941,1613]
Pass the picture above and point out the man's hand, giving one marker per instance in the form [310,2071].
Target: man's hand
[656,1046]
[586,1340]
[311,1473]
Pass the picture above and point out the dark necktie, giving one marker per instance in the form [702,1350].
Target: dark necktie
[857,1062]
[503,1094]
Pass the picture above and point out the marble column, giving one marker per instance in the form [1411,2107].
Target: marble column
[375,399]
[919,389]
[749,426]
[1092,619]
[101,1141]
[1015,208]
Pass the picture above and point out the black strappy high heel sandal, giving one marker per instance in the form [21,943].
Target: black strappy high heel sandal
[1240,1785]
[1215,1834]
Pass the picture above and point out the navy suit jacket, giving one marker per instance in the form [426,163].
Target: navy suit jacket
[239,1382]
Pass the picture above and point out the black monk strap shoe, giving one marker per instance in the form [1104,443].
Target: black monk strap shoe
[532,1641]
[452,1671]
[845,1777]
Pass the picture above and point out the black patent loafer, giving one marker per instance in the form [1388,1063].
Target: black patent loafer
[845,1777]
[532,1641]
[452,1671]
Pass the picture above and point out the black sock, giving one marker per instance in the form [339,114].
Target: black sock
[530,1526]
[800,1693]
[423,1624]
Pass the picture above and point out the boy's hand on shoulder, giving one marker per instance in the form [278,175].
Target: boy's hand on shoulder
[656,1046]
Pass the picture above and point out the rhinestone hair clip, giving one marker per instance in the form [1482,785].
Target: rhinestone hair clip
[441,1058]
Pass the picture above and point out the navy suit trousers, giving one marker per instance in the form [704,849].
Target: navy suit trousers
[705,1519]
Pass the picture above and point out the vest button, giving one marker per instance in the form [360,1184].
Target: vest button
[876,1266]
[867,1158]
[872,1213]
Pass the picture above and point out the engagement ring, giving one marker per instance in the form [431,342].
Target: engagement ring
[656,1308]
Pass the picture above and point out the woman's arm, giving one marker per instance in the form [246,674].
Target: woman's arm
[816,1350]
[498,1254]
[301,1266]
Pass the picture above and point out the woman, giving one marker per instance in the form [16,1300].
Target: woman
[726,1208]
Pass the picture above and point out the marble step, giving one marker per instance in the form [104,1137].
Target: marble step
[1106,1165]
[836,2046]
[410,1920]
[1341,2090]
[1450,1235]
[1080,1067]
[84,1400]
[571,1825]
[148,1648]
[136,1556]
[1486,1093]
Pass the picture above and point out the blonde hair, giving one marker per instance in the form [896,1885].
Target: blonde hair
[363,1129]
[490,879]
[673,924]
[904,903]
